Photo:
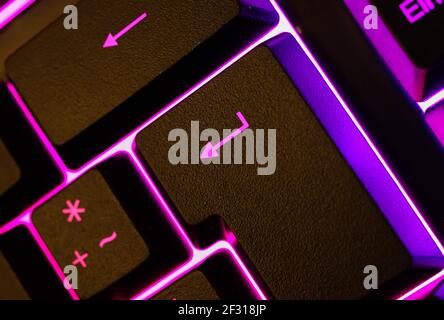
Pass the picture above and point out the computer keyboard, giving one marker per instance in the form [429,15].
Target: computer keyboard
[406,39]
[156,43]
[206,150]
[326,198]
[92,73]
[93,233]
[10,9]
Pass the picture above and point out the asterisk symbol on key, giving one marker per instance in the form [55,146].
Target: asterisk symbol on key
[73,210]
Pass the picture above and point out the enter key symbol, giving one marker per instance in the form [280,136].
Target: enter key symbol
[210,151]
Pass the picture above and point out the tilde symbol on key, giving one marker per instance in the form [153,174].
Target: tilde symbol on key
[107,240]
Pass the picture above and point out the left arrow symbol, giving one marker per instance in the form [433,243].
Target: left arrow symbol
[111,40]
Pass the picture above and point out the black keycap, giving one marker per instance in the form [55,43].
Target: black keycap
[27,25]
[27,171]
[10,286]
[416,24]
[309,227]
[123,229]
[10,173]
[413,26]
[393,121]
[85,226]
[193,286]
[70,82]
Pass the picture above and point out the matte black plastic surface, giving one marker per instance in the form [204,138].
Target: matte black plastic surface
[79,81]
[101,217]
[310,228]
[87,97]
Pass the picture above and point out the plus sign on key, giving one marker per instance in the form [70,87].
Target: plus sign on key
[85,226]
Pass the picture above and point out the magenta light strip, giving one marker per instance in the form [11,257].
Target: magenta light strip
[50,258]
[286,26]
[199,257]
[161,201]
[271,34]
[12,9]
[424,289]
[43,138]
[124,145]
[432,101]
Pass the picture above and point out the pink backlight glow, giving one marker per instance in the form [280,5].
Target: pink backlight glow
[12,9]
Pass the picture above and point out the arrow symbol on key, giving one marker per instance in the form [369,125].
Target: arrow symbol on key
[210,151]
[111,40]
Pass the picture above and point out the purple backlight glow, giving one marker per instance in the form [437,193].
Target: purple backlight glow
[424,289]
[12,9]
[439,292]
[345,130]
[411,77]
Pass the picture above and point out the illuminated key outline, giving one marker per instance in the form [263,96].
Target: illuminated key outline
[12,9]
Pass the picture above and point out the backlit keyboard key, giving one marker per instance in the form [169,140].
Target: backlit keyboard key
[77,74]
[392,120]
[85,226]
[307,224]
[9,172]
[28,25]
[407,38]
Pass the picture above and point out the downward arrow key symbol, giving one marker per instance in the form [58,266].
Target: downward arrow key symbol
[210,151]
[111,40]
